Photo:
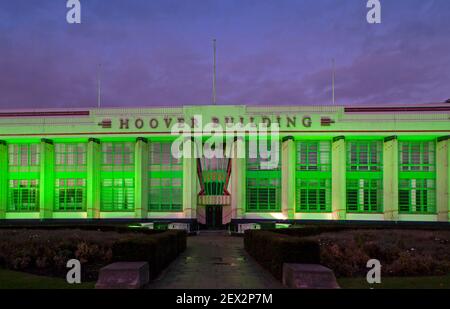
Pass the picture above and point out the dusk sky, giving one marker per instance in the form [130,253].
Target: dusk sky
[159,52]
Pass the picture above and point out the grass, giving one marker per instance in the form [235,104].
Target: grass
[20,280]
[430,282]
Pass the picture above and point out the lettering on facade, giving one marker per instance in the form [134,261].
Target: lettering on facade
[167,122]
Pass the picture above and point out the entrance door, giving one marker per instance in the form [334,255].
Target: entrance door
[213,216]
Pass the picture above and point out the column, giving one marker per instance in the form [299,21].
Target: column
[238,178]
[141,178]
[189,180]
[3,178]
[288,177]
[442,178]
[390,178]
[46,182]
[93,178]
[338,178]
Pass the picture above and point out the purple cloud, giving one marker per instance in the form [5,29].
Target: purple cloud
[156,53]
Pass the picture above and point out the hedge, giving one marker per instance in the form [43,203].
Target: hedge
[46,252]
[158,250]
[272,249]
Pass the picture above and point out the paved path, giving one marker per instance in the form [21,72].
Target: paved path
[215,260]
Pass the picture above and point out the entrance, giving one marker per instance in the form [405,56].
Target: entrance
[213,216]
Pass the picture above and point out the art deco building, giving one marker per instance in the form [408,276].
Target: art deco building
[336,163]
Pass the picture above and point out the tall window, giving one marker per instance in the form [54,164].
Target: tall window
[70,176]
[117,191]
[313,176]
[70,194]
[263,180]
[165,178]
[23,195]
[23,157]
[23,172]
[313,156]
[263,194]
[70,157]
[417,173]
[365,176]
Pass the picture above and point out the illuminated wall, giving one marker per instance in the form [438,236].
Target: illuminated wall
[336,163]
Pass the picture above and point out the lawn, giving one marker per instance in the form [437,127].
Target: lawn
[20,280]
[430,282]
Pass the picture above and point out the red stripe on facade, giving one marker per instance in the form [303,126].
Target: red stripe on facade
[169,133]
[397,109]
[44,114]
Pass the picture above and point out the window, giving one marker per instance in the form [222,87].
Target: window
[263,195]
[417,177]
[118,156]
[161,159]
[70,157]
[364,195]
[70,194]
[23,195]
[214,174]
[313,156]
[70,176]
[23,157]
[417,196]
[264,158]
[23,172]
[117,191]
[166,194]
[165,178]
[263,179]
[365,176]
[364,156]
[313,195]
[313,176]
[417,156]
[117,194]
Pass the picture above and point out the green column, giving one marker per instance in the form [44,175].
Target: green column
[46,182]
[238,179]
[442,178]
[93,178]
[3,178]
[390,178]
[288,177]
[190,181]
[338,178]
[141,178]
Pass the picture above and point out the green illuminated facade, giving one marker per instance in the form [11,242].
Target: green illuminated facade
[336,163]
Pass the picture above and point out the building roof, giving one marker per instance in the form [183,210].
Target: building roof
[379,108]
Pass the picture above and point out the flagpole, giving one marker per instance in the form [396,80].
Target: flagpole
[214,72]
[333,76]
[98,86]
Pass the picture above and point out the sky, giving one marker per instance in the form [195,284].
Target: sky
[269,52]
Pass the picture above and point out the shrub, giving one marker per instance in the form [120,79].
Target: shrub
[158,250]
[46,252]
[346,250]
[401,252]
[271,250]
